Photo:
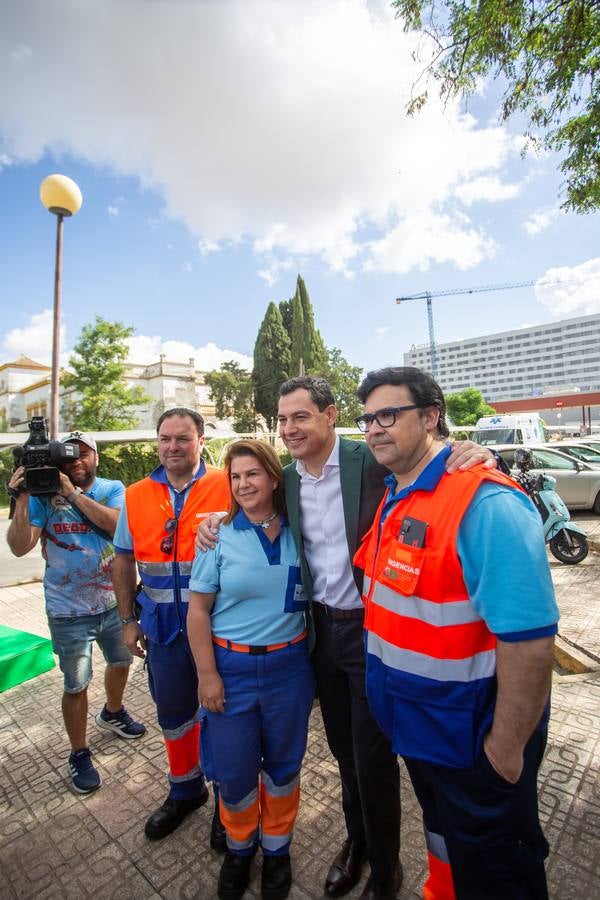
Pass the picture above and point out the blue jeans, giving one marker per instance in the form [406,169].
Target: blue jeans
[72,640]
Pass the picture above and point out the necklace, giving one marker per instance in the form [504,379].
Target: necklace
[265,522]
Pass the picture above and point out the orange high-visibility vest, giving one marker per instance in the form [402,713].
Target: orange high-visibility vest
[431,658]
[165,576]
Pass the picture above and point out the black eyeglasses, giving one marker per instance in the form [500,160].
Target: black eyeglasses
[166,545]
[385,418]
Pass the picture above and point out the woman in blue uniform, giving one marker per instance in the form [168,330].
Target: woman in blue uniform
[247,631]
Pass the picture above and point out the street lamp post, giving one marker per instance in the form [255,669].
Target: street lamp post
[62,197]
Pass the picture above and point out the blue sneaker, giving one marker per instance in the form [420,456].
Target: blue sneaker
[121,723]
[84,777]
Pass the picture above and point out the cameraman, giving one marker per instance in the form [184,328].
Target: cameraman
[76,526]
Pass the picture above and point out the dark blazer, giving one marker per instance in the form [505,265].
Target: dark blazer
[362,487]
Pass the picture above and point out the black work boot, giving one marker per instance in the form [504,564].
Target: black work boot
[167,817]
[234,876]
[276,877]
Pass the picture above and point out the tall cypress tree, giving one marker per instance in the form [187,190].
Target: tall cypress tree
[314,352]
[271,364]
[297,336]
[285,308]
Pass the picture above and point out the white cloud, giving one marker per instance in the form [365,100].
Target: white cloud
[380,333]
[571,290]
[541,219]
[206,247]
[294,148]
[34,339]
[4,161]
[145,350]
[418,241]
[271,273]
[114,209]
[187,266]
[486,187]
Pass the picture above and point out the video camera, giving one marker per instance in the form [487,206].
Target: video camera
[41,457]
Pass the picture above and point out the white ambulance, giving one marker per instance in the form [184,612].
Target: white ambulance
[522,428]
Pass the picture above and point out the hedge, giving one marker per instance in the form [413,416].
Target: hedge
[123,462]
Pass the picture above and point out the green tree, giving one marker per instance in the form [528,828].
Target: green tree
[344,380]
[296,333]
[314,352]
[547,53]
[232,392]
[271,364]
[103,402]
[465,407]
[285,308]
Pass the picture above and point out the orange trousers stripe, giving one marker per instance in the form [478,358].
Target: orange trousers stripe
[240,824]
[278,814]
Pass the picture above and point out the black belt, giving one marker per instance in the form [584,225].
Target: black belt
[332,612]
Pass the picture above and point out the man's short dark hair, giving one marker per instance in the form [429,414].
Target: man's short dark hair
[183,411]
[319,389]
[424,390]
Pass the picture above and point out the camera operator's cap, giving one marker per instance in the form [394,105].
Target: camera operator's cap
[80,436]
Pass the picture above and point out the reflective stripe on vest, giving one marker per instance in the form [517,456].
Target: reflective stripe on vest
[417,603]
[149,507]
[159,582]
[480,665]
[453,612]
[431,659]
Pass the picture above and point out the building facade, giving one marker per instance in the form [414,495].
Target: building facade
[25,392]
[558,357]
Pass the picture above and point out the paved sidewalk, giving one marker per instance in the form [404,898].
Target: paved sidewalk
[54,844]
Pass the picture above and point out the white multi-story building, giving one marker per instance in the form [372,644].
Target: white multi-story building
[557,357]
[25,391]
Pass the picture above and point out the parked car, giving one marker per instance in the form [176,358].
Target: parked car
[592,441]
[577,483]
[583,452]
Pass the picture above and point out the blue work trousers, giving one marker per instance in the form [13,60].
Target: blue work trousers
[174,688]
[488,828]
[254,750]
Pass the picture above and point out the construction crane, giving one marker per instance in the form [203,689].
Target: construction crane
[428,295]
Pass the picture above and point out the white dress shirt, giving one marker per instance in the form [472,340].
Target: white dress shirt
[324,534]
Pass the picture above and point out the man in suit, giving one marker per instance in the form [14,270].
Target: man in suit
[332,492]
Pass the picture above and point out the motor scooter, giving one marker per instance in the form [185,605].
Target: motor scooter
[567,540]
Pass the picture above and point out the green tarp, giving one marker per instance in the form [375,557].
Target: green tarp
[22,656]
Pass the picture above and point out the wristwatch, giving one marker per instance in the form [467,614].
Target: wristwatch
[74,493]
[128,620]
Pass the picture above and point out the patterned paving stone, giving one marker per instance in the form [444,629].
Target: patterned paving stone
[56,844]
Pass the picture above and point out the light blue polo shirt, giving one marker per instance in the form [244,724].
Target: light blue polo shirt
[259,597]
[503,554]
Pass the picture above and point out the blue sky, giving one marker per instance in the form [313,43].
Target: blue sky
[221,148]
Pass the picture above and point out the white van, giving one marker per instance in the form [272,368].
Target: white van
[522,428]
